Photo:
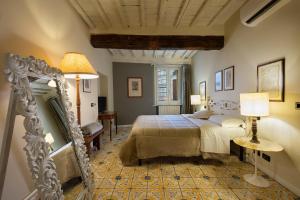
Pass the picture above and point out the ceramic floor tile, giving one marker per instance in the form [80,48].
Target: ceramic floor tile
[113,173]
[171,178]
[168,172]
[120,194]
[155,194]
[102,194]
[155,183]
[235,183]
[190,194]
[154,172]
[182,172]
[210,183]
[186,183]
[127,172]
[246,194]
[209,194]
[108,183]
[173,194]
[97,182]
[226,194]
[140,171]
[139,182]
[170,182]
[138,194]
[124,183]
[196,172]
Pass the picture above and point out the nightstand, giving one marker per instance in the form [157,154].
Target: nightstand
[264,145]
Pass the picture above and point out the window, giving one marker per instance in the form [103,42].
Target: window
[167,85]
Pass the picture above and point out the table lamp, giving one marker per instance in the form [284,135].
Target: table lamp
[254,105]
[76,66]
[195,100]
[49,139]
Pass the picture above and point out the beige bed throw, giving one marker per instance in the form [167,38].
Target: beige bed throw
[170,135]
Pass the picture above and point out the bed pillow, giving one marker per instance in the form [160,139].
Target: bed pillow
[203,114]
[227,121]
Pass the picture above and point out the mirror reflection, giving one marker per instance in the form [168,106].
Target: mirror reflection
[51,113]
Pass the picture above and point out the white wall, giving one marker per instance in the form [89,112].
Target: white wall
[45,29]
[245,48]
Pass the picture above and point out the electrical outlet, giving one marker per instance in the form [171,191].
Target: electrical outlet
[297,105]
[266,157]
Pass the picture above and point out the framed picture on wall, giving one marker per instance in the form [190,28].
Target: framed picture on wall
[270,78]
[87,85]
[229,78]
[219,81]
[135,86]
[202,90]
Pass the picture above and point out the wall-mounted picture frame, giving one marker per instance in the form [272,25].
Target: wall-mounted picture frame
[271,79]
[219,81]
[87,85]
[229,78]
[135,87]
[202,90]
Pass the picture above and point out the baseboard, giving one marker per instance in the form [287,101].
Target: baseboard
[32,196]
[285,183]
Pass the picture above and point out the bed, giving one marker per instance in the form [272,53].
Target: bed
[178,135]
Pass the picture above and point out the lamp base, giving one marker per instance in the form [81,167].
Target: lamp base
[254,132]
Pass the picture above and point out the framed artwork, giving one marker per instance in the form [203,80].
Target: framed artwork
[135,86]
[202,90]
[219,81]
[87,85]
[229,78]
[270,78]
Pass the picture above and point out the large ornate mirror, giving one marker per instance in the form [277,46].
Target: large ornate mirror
[55,147]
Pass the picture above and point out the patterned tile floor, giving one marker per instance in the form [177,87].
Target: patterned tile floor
[175,178]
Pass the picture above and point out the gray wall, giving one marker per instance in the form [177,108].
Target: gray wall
[129,108]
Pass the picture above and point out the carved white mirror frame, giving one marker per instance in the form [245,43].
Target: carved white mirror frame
[44,175]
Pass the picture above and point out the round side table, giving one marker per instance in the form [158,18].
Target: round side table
[264,145]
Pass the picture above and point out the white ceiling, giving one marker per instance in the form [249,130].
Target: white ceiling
[152,56]
[156,17]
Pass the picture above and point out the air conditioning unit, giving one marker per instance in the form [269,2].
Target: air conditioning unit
[255,11]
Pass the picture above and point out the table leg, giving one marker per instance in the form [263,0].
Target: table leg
[254,179]
[110,122]
[116,123]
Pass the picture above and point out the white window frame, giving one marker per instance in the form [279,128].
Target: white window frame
[168,102]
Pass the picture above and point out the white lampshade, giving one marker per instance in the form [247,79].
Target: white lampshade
[77,65]
[254,104]
[49,139]
[195,99]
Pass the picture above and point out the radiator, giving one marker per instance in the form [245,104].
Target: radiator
[169,110]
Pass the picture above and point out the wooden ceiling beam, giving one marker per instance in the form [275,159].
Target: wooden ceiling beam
[219,11]
[142,13]
[197,16]
[103,16]
[122,13]
[110,52]
[173,55]
[181,12]
[85,17]
[161,11]
[157,42]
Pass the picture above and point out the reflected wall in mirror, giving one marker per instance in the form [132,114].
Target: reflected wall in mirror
[55,147]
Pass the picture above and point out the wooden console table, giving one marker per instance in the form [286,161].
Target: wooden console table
[109,115]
